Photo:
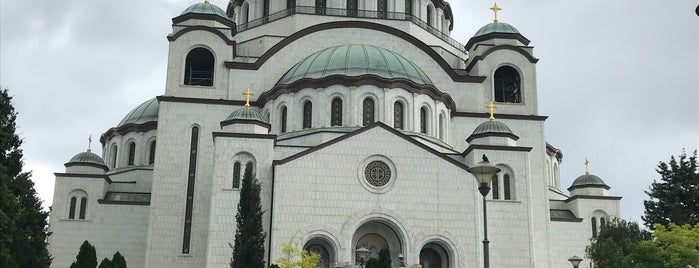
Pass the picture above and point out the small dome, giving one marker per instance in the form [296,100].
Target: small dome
[247,114]
[146,112]
[492,127]
[205,8]
[87,158]
[497,27]
[355,60]
[588,180]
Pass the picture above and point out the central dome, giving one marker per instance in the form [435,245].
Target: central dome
[353,61]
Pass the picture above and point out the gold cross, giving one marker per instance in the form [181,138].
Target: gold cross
[491,108]
[206,1]
[89,143]
[587,167]
[247,95]
[495,10]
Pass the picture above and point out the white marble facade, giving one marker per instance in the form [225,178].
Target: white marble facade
[379,160]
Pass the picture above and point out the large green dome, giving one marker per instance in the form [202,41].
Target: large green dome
[588,180]
[205,8]
[496,27]
[145,112]
[87,158]
[353,61]
[247,114]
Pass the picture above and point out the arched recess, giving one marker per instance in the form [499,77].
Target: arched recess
[240,161]
[325,247]
[434,255]
[375,220]
[77,201]
[506,183]
[442,244]
[245,13]
[336,111]
[199,67]
[113,156]
[430,15]
[368,110]
[507,85]
[131,153]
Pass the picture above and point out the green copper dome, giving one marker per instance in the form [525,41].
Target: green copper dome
[87,158]
[247,114]
[588,180]
[205,8]
[492,127]
[496,27]
[146,112]
[353,61]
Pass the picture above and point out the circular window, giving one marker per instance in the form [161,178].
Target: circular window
[377,173]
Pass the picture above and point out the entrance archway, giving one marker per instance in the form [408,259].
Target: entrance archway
[376,235]
[433,255]
[324,248]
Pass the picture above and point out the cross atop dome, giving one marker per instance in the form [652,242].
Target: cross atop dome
[491,108]
[587,167]
[495,10]
[247,95]
[89,143]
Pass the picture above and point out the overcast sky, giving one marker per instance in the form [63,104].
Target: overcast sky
[619,80]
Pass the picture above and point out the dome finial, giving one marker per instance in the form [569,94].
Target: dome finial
[206,1]
[247,95]
[495,10]
[491,108]
[587,167]
[89,143]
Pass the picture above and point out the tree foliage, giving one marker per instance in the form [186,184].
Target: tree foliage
[248,250]
[297,258]
[117,261]
[23,223]
[384,260]
[615,243]
[675,246]
[86,258]
[676,197]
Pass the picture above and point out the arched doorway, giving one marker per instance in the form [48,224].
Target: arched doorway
[376,235]
[324,248]
[433,255]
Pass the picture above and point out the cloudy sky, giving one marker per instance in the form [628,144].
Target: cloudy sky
[619,79]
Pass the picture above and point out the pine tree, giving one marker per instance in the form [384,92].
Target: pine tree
[676,197]
[23,223]
[118,261]
[86,258]
[249,251]
[105,263]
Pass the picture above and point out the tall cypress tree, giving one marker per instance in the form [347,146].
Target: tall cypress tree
[23,223]
[86,258]
[249,248]
[676,197]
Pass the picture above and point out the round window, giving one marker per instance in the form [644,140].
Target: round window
[377,173]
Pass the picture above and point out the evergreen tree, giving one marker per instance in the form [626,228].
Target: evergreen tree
[249,251]
[106,263]
[676,197]
[23,223]
[118,261]
[615,243]
[86,258]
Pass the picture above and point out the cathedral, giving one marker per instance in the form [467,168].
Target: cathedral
[361,120]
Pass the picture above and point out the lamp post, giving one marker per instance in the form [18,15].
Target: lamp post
[362,254]
[575,260]
[484,172]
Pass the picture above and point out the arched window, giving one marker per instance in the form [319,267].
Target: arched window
[283,120]
[430,15]
[506,187]
[236,175]
[132,154]
[151,157]
[602,223]
[441,127]
[408,8]
[199,68]
[320,7]
[245,14]
[251,167]
[352,7]
[398,115]
[307,114]
[336,112]
[191,179]
[83,207]
[496,187]
[114,156]
[71,212]
[423,120]
[290,4]
[507,85]
[265,8]
[594,227]
[382,8]
[367,111]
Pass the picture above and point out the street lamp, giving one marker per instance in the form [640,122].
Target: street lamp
[575,260]
[484,172]
[362,255]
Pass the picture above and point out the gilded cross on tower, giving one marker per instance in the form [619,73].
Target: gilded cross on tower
[247,95]
[495,10]
[491,108]
[89,143]
[587,167]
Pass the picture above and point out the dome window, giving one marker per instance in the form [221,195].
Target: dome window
[423,120]
[132,154]
[398,117]
[199,68]
[409,8]
[236,175]
[320,7]
[151,157]
[507,85]
[283,120]
[307,114]
[114,156]
[352,8]
[367,111]
[336,112]
[291,4]
[382,8]
[430,15]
